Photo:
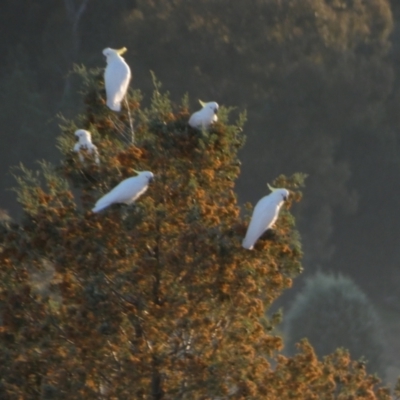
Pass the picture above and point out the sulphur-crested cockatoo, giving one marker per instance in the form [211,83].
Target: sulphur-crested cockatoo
[116,77]
[203,118]
[264,215]
[85,142]
[127,191]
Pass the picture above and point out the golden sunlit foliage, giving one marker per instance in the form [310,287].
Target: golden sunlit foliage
[157,300]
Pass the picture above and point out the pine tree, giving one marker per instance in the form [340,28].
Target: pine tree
[156,300]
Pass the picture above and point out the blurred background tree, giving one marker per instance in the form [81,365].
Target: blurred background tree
[332,312]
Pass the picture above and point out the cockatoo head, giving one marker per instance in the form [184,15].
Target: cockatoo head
[83,135]
[281,194]
[212,105]
[146,174]
[111,53]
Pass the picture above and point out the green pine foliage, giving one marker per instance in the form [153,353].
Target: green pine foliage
[332,312]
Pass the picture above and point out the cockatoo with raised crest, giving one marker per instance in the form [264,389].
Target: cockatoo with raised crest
[264,216]
[117,76]
[203,118]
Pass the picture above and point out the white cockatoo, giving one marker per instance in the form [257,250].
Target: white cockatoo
[203,118]
[265,214]
[127,191]
[116,77]
[85,142]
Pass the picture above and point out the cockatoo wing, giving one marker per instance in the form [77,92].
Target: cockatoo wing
[77,149]
[116,77]
[195,120]
[126,192]
[95,152]
[92,149]
[201,119]
[264,215]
